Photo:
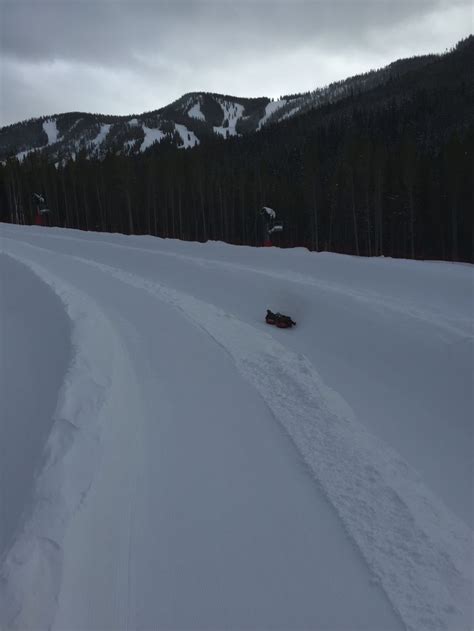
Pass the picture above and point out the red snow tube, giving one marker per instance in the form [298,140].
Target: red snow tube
[281,321]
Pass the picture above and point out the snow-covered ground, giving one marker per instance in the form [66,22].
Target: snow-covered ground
[169,461]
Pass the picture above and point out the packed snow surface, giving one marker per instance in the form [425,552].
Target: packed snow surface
[190,467]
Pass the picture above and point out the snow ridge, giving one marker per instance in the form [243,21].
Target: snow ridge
[418,551]
[31,570]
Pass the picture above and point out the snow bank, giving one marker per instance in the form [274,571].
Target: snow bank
[34,355]
[31,572]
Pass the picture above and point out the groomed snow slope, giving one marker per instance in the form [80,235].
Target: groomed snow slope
[204,470]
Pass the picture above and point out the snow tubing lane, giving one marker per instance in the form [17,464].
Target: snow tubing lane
[418,550]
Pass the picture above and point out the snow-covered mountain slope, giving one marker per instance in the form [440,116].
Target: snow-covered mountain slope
[205,470]
[353,87]
[184,123]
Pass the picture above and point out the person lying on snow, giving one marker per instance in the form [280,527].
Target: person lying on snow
[281,321]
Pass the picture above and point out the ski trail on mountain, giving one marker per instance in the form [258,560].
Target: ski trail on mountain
[417,549]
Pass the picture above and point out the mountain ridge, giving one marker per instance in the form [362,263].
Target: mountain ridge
[184,123]
[378,168]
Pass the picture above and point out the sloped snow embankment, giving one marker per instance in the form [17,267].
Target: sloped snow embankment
[33,326]
[31,570]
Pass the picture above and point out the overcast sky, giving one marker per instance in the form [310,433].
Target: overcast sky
[131,56]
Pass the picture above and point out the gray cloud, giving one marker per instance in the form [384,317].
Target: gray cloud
[128,56]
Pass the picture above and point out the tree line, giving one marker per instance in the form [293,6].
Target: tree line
[393,179]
